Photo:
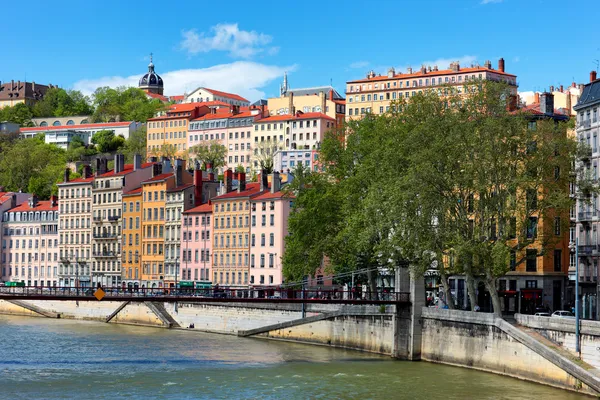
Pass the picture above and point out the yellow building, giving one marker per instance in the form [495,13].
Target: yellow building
[13,93]
[321,99]
[131,272]
[153,226]
[375,93]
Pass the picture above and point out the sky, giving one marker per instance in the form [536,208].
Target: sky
[245,47]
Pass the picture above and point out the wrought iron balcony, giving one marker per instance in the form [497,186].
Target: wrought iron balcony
[588,249]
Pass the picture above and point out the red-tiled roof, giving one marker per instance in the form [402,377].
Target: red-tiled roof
[77,180]
[157,96]
[127,169]
[176,98]
[251,189]
[534,109]
[191,106]
[418,73]
[76,127]
[134,192]
[224,113]
[299,116]
[160,177]
[41,206]
[180,188]
[225,94]
[277,195]
[204,208]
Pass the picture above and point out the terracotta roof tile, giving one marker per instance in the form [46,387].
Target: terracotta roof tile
[134,192]
[204,208]
[160,177]
[225,94]
[251,190]
[277,195]
[41,206]
[429,73]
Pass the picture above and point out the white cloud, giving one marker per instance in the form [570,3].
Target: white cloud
[516,59]
[490,1]
[229,38]
[359,64]
[242,77]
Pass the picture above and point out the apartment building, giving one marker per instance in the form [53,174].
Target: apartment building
[587,215]
[75,229]
[107,206]
[30,243]
[270,211]
[132,238]
[28,93]
[196,247]
[203,94]
[376,93]
[8,200]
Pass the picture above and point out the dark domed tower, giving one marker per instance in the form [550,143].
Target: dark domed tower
[151,82]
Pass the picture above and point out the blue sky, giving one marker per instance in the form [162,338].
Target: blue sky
[244,47]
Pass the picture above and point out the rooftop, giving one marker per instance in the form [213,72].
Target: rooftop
[159,178]
[133,192]
[127,169]
[298,116]
[204,208]
[315,91]
[225,94]
[590,95]
[40,206]
[77,127]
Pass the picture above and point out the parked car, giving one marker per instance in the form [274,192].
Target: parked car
[542,314]
[563,314]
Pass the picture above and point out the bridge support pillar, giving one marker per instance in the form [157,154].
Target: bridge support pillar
[407,320]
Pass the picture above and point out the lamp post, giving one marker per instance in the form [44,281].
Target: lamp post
[77,274]
[575,247]
[176,275]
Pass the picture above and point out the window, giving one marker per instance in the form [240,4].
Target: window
[513,260]
[532,228]
[557,226]
[531,257]
[557,260]
[272,239]
[531,284]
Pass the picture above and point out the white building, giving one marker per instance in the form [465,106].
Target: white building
[203,95]
[62,135]
[289,159]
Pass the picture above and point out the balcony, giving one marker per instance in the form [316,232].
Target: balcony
[114,218]
[587,123]
[587,250]
[105,254]
[585,216]
[106,236]
[97,219]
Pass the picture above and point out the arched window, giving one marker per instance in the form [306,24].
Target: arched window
[70,122]
[56,123]
[84,121]
[43,123]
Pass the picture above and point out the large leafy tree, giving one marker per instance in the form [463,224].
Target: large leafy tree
[18,114]
[123,104]
[264,154]
[211,152]
[444,180]
[136,144]
[106,141]
[30,165]
[58,102]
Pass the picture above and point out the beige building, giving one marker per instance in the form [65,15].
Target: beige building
[321,99]
[107,205]
[75,229]
[13,93]
[376,93]
[62,121]
[204,95]
[564,99]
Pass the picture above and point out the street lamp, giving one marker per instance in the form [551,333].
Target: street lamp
[176,275]
[575,247]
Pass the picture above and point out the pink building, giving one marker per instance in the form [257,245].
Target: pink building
[30,243]
[269,227]
[196,247]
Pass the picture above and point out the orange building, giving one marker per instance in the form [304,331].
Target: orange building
[131,272]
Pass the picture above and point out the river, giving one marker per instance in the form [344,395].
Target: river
[66,359]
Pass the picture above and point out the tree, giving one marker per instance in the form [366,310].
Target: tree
[264,152]
[167,150]
[212,153]
[446,181]
[124,104]
[19,114]
[106,141]
[136,144]
[58,102]
[30,165]
[78,149]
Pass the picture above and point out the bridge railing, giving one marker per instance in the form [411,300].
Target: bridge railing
[250,293]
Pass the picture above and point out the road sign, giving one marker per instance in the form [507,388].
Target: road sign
[99,294]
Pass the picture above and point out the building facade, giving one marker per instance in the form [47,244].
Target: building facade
[289,159]
[376,93]
[63,135]
[196,246]
[132,238]
[28,93]
[202,95]
[587,214]
[75,229]
[30,243]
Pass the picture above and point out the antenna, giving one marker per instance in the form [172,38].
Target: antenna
[597,62]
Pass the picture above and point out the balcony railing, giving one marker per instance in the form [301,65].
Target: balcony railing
[105,236]
[113,218]
[105,254]
[588,249]
[585,215]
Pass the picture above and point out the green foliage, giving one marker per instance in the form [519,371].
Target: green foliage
[30,165]
[240,168]
[135,144]
[18,114]
[61,103]
[78,149]
[123,104]
[106,141]
[210,153]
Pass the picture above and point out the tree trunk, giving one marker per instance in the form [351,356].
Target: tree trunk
[471,289]
[490,284]
[449,300]
[372,277]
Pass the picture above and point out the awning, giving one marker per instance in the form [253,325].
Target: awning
[186,284]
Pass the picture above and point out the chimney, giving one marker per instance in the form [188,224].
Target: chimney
[501,65]
[211,175]
[291,103]
[67,174]
[156,169]
[264,180]
[33,201]
[551,88]
[331,94]
[53,201]
[562,89]
[228,180]
[87,171]
[592,76]
[323,102]
[488,64]
[12,85]
[569,104]
[275,182]
[137,161]
[166,165]
[241,181]
[547,103]
[197,186]
[100,166]
[178,172]
[537,98]
[118,165]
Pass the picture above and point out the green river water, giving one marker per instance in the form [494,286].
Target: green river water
[65,359]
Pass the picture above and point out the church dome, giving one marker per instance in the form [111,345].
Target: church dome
[151,81]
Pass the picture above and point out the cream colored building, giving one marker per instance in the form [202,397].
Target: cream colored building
[203,95]
[376,93]
[563,98]
[75,229]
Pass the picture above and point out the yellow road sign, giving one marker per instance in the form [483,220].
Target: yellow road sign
[99,294]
